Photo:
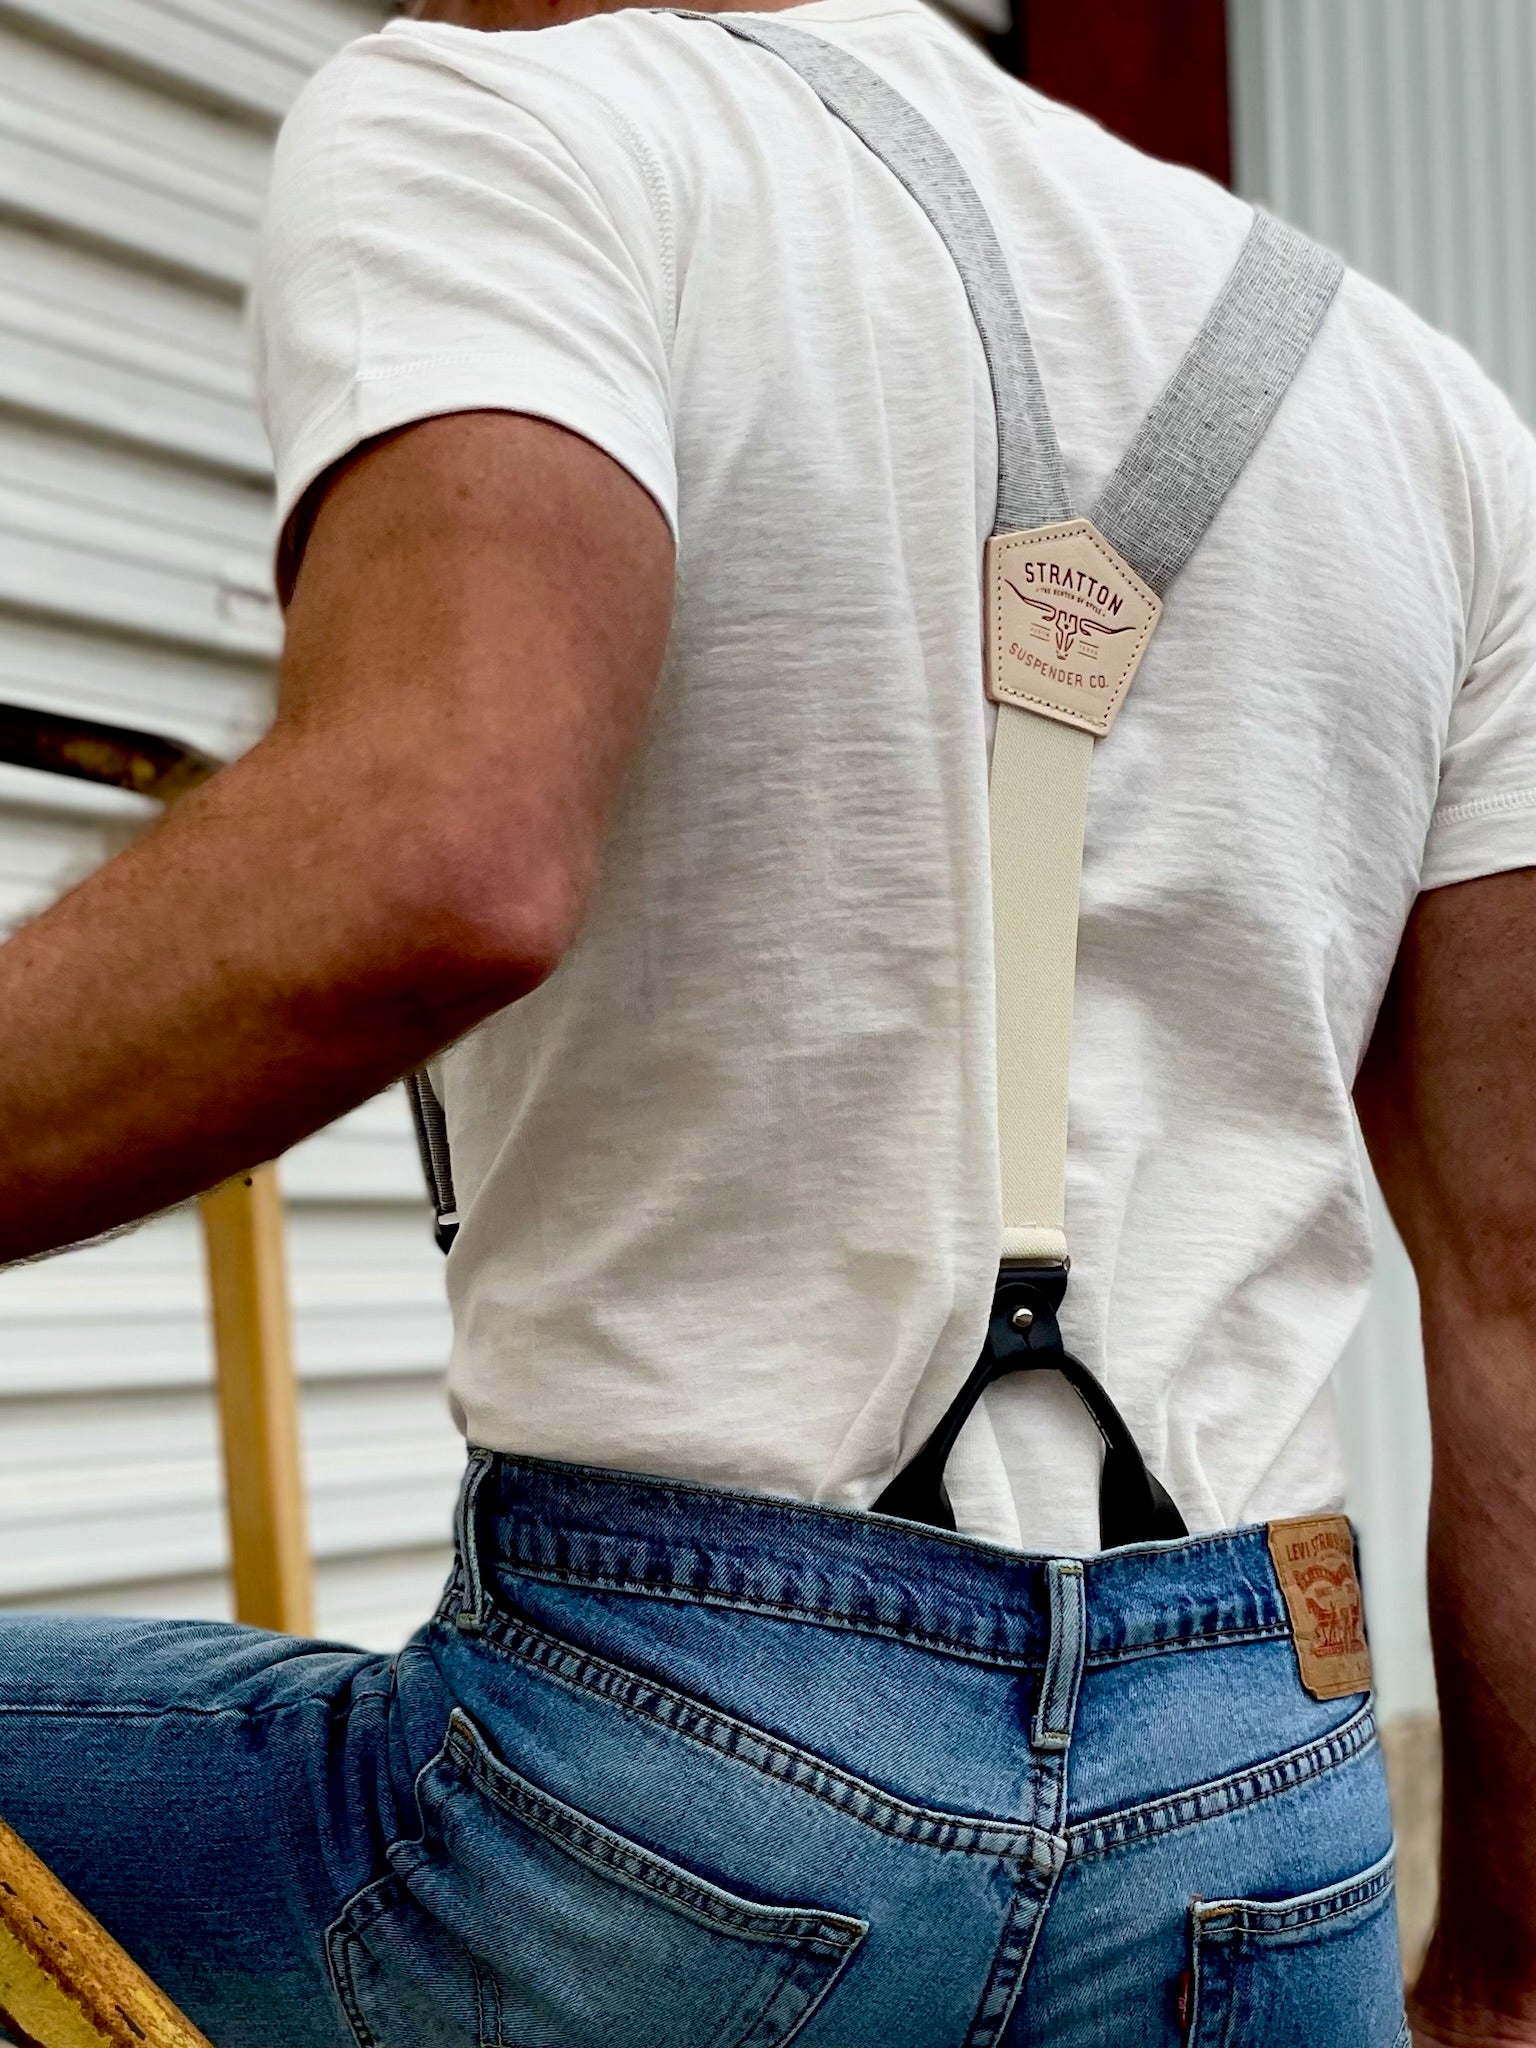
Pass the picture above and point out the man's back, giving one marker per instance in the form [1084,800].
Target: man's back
[729,1179]
[671,1761]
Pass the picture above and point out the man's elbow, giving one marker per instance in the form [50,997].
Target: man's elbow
[487,920]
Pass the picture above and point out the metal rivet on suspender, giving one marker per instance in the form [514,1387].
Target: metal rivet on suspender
[1023,1319]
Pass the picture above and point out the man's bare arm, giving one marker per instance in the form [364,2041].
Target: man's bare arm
[1448,1101]
[472,648]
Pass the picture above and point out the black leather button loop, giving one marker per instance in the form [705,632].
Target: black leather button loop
[1024,1335]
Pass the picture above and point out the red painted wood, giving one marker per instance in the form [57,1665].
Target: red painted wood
[1155,71]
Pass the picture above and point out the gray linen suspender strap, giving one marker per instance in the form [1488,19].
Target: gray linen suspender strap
[436,1164]
[1060,591]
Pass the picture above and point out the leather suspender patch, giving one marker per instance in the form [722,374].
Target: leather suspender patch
[1068,620]
[1315,1564]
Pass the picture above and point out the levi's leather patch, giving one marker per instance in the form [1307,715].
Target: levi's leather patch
[1068,620]
[1315,1564]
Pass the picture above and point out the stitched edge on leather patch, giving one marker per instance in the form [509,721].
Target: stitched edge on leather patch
[1315,1563]
[1068,620]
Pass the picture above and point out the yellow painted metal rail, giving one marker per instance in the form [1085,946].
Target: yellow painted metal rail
[242,1227]
[64,1982]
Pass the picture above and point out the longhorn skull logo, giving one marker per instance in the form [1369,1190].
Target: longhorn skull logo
[1070,626]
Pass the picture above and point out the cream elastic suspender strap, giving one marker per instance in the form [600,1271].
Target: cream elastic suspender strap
[1156,510]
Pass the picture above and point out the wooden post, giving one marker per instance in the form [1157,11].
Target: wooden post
[64,1982]
[258,1403]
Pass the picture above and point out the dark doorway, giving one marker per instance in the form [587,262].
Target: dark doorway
[1155,71]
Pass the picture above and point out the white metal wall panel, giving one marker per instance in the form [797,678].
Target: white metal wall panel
[116,161]
[122,541]
[1399,131]
[146,360]
[134,541]
[243,58]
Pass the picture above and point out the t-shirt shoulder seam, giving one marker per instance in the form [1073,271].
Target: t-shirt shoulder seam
[658,192]
[653,177]
[660,196]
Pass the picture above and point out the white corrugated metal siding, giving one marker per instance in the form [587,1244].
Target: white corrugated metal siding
[134,539]
[1400,132]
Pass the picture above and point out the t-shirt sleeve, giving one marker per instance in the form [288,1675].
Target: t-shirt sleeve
[437,241]
[1484,821]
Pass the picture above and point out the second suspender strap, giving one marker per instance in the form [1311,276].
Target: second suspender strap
[1203,431]
[436,1162]
[1155,510]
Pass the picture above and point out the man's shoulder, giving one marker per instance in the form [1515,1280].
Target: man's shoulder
[1439,369]
[635,62]
[454,104]
[1435,416]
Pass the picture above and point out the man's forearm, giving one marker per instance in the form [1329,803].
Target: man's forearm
[410,849]
[1447,1099]
[1481,1973]
[264,960]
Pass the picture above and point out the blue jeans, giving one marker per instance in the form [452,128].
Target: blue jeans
[677,1768]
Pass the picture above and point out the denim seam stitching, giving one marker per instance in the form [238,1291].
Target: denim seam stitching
[150,1710]
[970,1653]
[487,2005]
[1129,1653]
[613,1855]
[1216,1918]
[1218,1796]
[966,1546]
[341,1932]
[1062,1677]
[1010,1963]
[810,1982]
[722,1735]
[339,1939]
[1012,1954]
[822,1938]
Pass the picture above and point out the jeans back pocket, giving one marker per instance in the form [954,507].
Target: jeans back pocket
[1310,1972]
[514,1920]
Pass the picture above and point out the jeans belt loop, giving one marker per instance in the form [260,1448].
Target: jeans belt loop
[1057,1708]
[472,1616]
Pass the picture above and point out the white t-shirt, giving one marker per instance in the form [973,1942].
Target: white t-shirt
[729,1180]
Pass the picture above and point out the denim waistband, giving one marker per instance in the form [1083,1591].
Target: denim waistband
[673,1539]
